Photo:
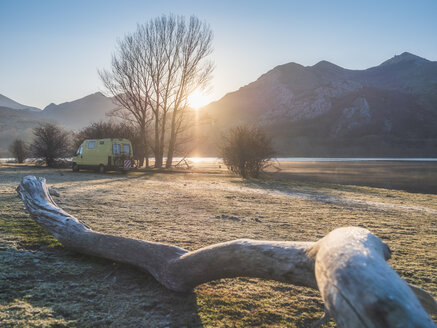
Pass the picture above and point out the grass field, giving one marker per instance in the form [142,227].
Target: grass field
[43,285]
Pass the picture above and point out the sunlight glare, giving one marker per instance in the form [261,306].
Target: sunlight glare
[198,99]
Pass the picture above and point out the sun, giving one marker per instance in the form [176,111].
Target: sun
[198,99]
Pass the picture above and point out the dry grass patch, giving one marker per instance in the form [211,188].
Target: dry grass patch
[191,210]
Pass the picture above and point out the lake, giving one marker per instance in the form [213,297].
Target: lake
[417,175]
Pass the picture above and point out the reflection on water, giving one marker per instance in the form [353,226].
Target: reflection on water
[289,159]
[410,174]
[352,159]
[316,159]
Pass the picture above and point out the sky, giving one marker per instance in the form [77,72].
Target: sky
[50,50]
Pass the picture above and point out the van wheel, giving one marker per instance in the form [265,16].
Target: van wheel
[102,168]
[75,167]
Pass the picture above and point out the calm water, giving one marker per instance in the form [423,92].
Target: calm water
[319,159]
[300,159]
[410,174]
[358,159]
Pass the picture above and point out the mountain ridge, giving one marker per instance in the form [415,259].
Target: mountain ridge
[9,103]
[319,110]
[73,115]
[392,104]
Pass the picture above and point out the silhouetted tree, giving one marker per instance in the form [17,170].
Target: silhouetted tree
[18,149]
[246,151]
[50,143]
[100,130]
[154,71]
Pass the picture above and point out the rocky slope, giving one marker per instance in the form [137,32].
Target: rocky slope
[326,110]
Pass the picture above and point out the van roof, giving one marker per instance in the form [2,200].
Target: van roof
[108,139]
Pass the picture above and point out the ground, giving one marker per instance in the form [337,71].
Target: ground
[44,285]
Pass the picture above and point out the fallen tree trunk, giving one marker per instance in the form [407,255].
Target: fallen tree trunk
[348,265]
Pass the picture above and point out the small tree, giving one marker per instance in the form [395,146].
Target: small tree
[50,143]
[18,149]
[246,151]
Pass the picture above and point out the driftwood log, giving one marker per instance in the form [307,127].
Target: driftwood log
[348,265]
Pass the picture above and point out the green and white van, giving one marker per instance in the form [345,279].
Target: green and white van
[104,155]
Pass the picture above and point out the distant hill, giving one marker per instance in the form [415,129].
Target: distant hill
[326,110]
[17,120]
[79,113]
[6,102]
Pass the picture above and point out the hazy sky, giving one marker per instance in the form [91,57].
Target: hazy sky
[50,50]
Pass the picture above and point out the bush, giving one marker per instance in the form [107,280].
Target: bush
[51,144]
[247,151]
[19,151]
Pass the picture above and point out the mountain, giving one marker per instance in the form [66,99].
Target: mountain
[327,110]
[17,121]
[319,110]
[6,102]
[79,113]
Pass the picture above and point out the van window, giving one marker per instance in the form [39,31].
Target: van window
[126,149]
[101,142]
[91,145]
[116,149]
[79,151]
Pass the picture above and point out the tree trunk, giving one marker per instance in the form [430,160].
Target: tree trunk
[146,147]
[172,141]
[142,150]
[348,265]
[163,131]
[157,149]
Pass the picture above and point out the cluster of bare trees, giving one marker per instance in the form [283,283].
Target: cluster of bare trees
[153,72]
[50,145]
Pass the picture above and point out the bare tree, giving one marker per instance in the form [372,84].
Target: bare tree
[194,72]
[129,84]
[246,151]
[19,150]
[348,265]
[154,71]
[50,143]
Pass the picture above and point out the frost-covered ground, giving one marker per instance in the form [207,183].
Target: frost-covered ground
[42,284]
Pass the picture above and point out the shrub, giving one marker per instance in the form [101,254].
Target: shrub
[18,149]
[246,151]
[50,143]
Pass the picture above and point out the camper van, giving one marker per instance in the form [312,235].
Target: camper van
[104,155]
